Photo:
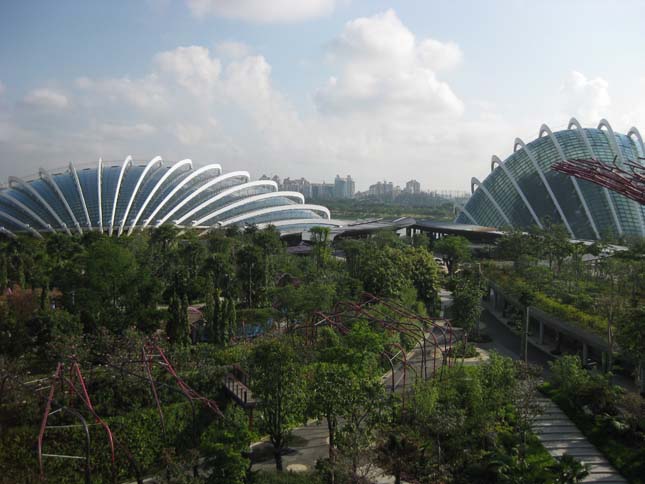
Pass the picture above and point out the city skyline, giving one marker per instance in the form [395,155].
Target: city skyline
[404,89]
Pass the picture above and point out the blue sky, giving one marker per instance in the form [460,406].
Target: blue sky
[395,90]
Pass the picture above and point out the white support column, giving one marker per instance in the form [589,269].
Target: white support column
[475,182]
[156,161]
[545,129]
[14,201]
[99,178]
[536,166]
[20,223]
[127,163]
[77,182]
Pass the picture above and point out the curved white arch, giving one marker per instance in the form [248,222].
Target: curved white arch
[156,161]
[619,153]
[225,193]
[72,171]
[467,214]
[179,186]
[14,201]
[99,178]
[495,159]
[205,186]
[8,232]
[573,122]
[633,131]
[299,221]
[49,179]
[162,180]
[127,163]
[30,189]
[282,208]
[545,129]
[25,226]
[475,182]
[519,142]
[246,201]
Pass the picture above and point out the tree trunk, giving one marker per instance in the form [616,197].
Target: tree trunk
[277,455]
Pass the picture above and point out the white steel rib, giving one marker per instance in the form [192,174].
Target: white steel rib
[495,159]
[299,221]
[127,163]
[21,224]
[8,232]
[29,188]
[158,185]
[77,182]
[99,178]
[475,182]
[156,161]
[583,135]
[545,129]
[206,186]
[225,193]
[179,186]
[618,152]
[14,201]
[248,200]
[536,166]
[282,208]
[467,214]
[49,179]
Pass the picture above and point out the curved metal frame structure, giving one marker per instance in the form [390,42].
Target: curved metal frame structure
[206,186]
[29,188]
[20,224]
[127,163]
[573,122]
[155,161]
[49,179]
[495,159]
[26,209]
[467,214]
[74,175]
[264,211]
[619,153]
[99,178]
[162,180]
[246,201]
[181,185]
[8,232]
[475,182]
[225,193]
[536,166]
[633,131]
[545,129]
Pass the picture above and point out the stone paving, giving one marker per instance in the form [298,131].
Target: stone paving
[559,434]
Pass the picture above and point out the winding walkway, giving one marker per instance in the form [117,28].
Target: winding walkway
[559,434]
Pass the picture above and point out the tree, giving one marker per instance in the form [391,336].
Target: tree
[453,250]
[569,470]
[225,447]
[278,386]
[320,240]
[466,306]
[177,323]
[251,274]
[631,337]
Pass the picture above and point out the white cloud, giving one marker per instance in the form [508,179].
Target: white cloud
[46,98]
[262,11]
[384,69]
[192,67]
[144,93]
[126,131]
[2,88]
[587,99]
[232,49]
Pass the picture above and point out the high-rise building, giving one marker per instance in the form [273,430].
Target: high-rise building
[344,187]
[413,187]
[298,185]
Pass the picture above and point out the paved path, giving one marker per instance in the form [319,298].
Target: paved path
[558,435]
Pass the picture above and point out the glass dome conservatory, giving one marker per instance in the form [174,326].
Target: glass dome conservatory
[524,190]
[119,198]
